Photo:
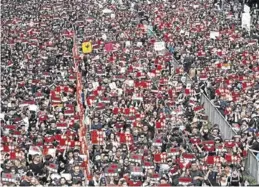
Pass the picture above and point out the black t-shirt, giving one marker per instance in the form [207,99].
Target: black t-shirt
[255,146]
[196,173]
[234,181]
[77,177]
[25,183]
[37,168]
[21,170]
[177,55]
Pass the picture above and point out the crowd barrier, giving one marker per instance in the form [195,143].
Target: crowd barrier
[83,128]
[215,117]
[252,166]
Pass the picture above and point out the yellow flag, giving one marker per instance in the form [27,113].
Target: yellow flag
[87,47]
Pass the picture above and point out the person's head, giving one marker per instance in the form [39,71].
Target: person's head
[53,125]
[22,127]
[235,172]
[42,126]
[145,128]
[76,169]
[110,153]
[118,153]
[17,163]
[194,166]
[227,169]
[34,181]
[195,131]
[223,180]
[76,153]
[205,129]
[112,136]
[97,174]
[36,158]
[135,131]
[170,161]
[70,154]
[163,180]
[13,170]
[96,120]
[215,132]
[62,181]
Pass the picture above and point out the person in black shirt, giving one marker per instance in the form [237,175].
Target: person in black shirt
[196,175]
[177,55]
[7,166]
[78,176]
[77,158]
[26,181]
[235,179]
[96,179]
[255,145]
[36,165]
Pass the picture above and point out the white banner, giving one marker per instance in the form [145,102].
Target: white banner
[112,16]
[113,86]
[214,34]
[159,46]
[246,9]
[246,21]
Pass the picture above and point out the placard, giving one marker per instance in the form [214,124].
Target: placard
[129,83]
[159,46]
[95,85]
[139,44]
[104,37]
[246,21]
[108,47]
[87,47]
[33,108]
[246,9]
[2,115]
[214,34]
[127,43]
[112,85]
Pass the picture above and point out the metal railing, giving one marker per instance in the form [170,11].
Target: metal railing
[252,166]
[215,117]
[227,132]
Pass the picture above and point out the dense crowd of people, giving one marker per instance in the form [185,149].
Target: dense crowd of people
[40,140]
[146,125]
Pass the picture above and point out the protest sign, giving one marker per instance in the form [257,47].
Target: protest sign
[159,46]
[214,34]
[108,47]
[87,47]
[34,150]
[246,21]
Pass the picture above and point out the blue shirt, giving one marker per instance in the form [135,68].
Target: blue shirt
[96,126]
